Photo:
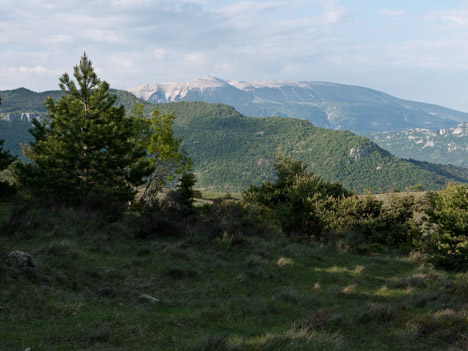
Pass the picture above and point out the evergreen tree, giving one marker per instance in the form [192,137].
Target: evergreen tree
[85,145]
[5,157]
[185,188]
[5,160]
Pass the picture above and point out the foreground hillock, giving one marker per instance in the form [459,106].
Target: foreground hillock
[226,283]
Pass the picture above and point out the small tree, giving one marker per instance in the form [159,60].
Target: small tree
[165,152]
[85,145]
[185,188]
[5,157]
[5,160]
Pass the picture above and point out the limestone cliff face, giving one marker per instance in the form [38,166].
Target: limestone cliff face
[445,146]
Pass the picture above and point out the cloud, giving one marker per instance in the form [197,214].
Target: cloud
[37,69]
[133,42]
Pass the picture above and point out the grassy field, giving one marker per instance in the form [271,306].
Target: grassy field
[92,281]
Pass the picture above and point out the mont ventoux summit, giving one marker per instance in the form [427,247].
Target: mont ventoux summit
[327,105]
[231,150]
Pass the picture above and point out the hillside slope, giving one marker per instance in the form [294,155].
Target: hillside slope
[328,105]
[232,151]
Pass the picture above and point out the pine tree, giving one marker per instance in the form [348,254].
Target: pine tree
[5,160]
[85,145]
[5,157]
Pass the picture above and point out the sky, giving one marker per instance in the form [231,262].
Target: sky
[415,50]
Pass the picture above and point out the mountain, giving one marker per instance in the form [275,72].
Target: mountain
[445,146]
[327,105]
[20,106]
[231,151]
[24,100]
[23,103]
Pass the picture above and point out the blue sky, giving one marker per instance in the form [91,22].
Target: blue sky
[414,49]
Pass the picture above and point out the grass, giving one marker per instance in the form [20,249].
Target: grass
[210,195]
[258,293]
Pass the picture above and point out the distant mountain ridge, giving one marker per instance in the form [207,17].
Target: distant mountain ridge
[327,105]
[445,146]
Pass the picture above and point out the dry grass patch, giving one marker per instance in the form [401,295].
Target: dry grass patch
[284,261]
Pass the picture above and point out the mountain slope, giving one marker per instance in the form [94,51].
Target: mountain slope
[328,105]
[231,151]
[446,146]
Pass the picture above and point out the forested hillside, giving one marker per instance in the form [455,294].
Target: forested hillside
[230,151]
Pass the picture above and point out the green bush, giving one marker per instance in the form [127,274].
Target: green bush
[447,242]
[297,198]
[371,222]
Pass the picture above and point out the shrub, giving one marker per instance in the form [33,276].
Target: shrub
[371,222]
[156,221]
[6,189]
[306,205]
[447,242]
[297,198]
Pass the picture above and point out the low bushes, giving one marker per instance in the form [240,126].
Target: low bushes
[372,222]
[223,219]
[447,235]
[305,205]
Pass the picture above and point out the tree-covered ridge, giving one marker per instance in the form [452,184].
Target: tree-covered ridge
[23,100]
[459,174]
[231,151]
